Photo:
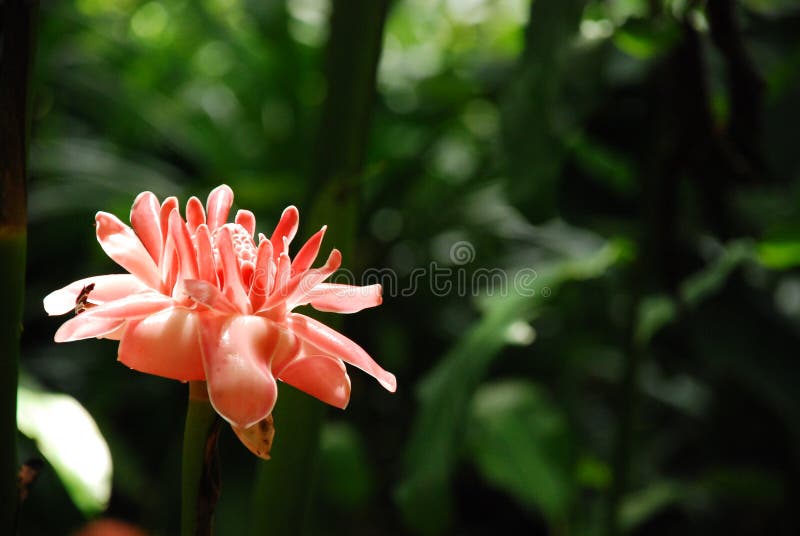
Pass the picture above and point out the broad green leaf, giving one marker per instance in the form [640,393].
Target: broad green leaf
[344,472]
[69,439]
[522,444]
[446,391]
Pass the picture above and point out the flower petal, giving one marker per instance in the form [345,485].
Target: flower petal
[124,247]
[106,288]
[146,223]
[335,298]
[206,265]
[308,253]
[264,275]
[246,219]
[86,327]
[187,256]
[209,295]
[132,306]
[218,206]
[320,376]
[195,214]
[233,288]
[286,228]
[282,276]
[297,287]
[236,355]
[169,204]
[333,343]
[165,344]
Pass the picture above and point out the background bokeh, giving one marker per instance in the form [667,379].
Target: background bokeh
[640,158]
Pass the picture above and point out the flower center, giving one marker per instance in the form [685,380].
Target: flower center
[243,245]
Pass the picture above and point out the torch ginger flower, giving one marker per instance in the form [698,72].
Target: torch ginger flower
[203,301]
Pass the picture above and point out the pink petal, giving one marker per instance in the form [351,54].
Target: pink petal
[236,355]
[300,284]
[264,275]
[282,277]
[132,306]
[246,219]
[183,245]
[209,295]
[124,247]
[308,253]
[344,298]
[233,287]
[286,228]
[320,376]
[219,205]
[170,265]
[165,344]
[86,327]
[337,345]
[106,288]
[195,214]
[145,221]
[169,204]
[205,255]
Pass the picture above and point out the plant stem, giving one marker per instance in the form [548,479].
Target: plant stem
[16,53]
[200,487]
[282,488]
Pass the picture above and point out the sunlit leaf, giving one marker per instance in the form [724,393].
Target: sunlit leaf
[522,445]
[69,439]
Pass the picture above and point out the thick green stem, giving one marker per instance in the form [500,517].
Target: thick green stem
[283,484]
[200,488]
[16,52]
[12,279]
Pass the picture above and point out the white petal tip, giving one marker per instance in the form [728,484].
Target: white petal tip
[389,382]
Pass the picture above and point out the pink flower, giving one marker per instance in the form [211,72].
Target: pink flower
[203,301]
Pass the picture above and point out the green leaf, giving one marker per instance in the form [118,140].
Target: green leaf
[69,439]
[521,444]
[709,280]
[647,38]
[640,506]
[654,313]
[344,473]
[445,393]
[780,250]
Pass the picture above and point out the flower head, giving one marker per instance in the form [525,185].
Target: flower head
[203,300]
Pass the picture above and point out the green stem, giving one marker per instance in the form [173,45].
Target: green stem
[282,488]
[200,487]
[12,279]
[16,53]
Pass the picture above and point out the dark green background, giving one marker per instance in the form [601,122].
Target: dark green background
[641,157]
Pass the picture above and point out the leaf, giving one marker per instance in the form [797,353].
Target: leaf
[654,313]
[711,279]
[638,507]
[780,250]
[446,391]
[344,474]
[647,38]
[69,439]
[521,444]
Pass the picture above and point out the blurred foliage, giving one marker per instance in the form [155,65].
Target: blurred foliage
[628,166]
[69,440]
